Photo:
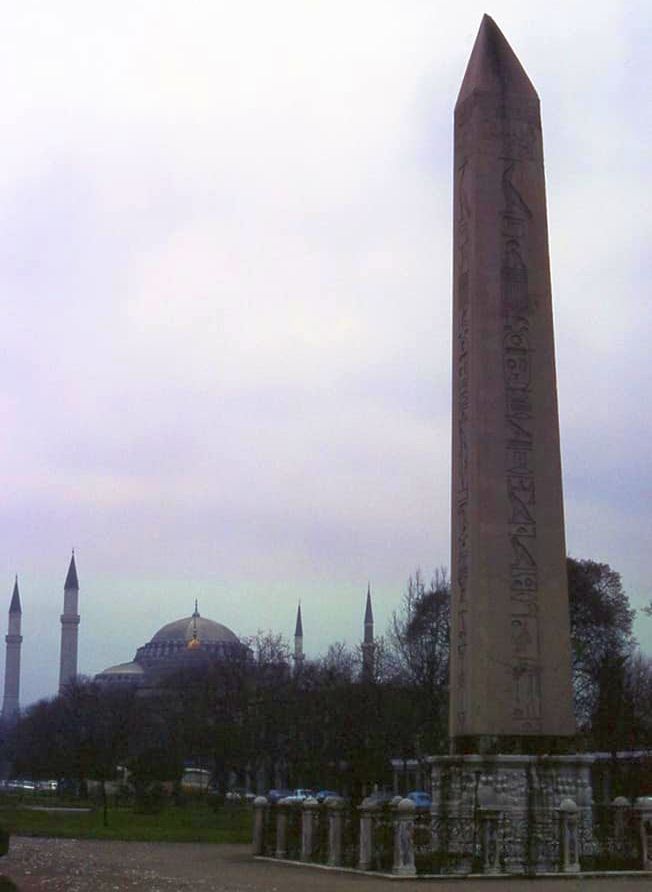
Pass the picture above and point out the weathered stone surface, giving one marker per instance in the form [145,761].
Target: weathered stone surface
[568,836]
[335,808]
[510,653]
[404,864]
[644,807]
[526,793]
[308,818]
[260,804]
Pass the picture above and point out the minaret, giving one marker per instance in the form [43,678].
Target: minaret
[510,676]
[69,624]
[298,639]
[14,639]
[368,645]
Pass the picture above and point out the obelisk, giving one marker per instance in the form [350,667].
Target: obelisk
[510,644]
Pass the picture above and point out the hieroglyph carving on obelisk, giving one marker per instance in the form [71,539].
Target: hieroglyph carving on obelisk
[510,653]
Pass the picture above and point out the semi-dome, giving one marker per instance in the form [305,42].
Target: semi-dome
[183,629]
[124,669]
[123,673]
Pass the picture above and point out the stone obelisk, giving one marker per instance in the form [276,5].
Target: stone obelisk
[510,645]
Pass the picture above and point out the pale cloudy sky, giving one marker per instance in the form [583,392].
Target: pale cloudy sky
[225,253]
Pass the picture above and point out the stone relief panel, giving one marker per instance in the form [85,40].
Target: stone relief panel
[461,483]
[521,525]
[483,122]
[486,119]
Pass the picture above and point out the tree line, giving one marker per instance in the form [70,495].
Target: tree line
[324,722]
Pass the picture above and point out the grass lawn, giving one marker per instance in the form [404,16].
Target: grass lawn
[193,823]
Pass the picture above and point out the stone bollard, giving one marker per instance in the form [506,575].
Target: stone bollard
[365,853]
[260,804]
[335,808]
[404,838]
[568,842]
[281,830]
[489,821]
[308,815]
[620,806]
[643,806]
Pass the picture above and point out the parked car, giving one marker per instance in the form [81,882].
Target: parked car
[421,799]
[380,797]
[299,795]
[274,795]
[323,795]
[49,785]
[239,795]
[22,786]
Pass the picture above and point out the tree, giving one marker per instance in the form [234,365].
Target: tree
[601,638]
[419,642]
[340,663]
[155,753]
[268,731]
[38,742]
[639,684]
[83,734]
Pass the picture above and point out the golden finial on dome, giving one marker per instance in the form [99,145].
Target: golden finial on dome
[194,641]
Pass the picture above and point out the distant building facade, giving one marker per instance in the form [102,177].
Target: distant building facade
[190,641]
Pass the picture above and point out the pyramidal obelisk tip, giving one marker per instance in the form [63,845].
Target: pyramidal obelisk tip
[493,66]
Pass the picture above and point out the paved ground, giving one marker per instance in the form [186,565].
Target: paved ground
[99,866]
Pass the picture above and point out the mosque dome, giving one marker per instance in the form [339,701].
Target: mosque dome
[170,648]
[204,637]
[182,630]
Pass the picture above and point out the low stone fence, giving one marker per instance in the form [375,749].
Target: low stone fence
[398,839]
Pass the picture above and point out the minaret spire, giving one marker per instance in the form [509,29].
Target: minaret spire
[71,577]
[15,607]
[69,626]
[298,639]
[368,643]
[14,640]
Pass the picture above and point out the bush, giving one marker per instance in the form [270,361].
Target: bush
[149,798]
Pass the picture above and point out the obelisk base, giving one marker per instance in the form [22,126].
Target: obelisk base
[511,804]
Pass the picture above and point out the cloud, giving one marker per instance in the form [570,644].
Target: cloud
[226,264]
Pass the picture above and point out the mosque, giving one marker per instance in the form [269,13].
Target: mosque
[191,640]
[185,642]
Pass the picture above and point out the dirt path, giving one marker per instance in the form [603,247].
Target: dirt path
[100,866]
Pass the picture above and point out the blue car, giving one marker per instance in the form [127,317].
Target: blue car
[421,799]
[325,794]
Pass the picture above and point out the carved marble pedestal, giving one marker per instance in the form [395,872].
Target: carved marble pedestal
[523,795]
